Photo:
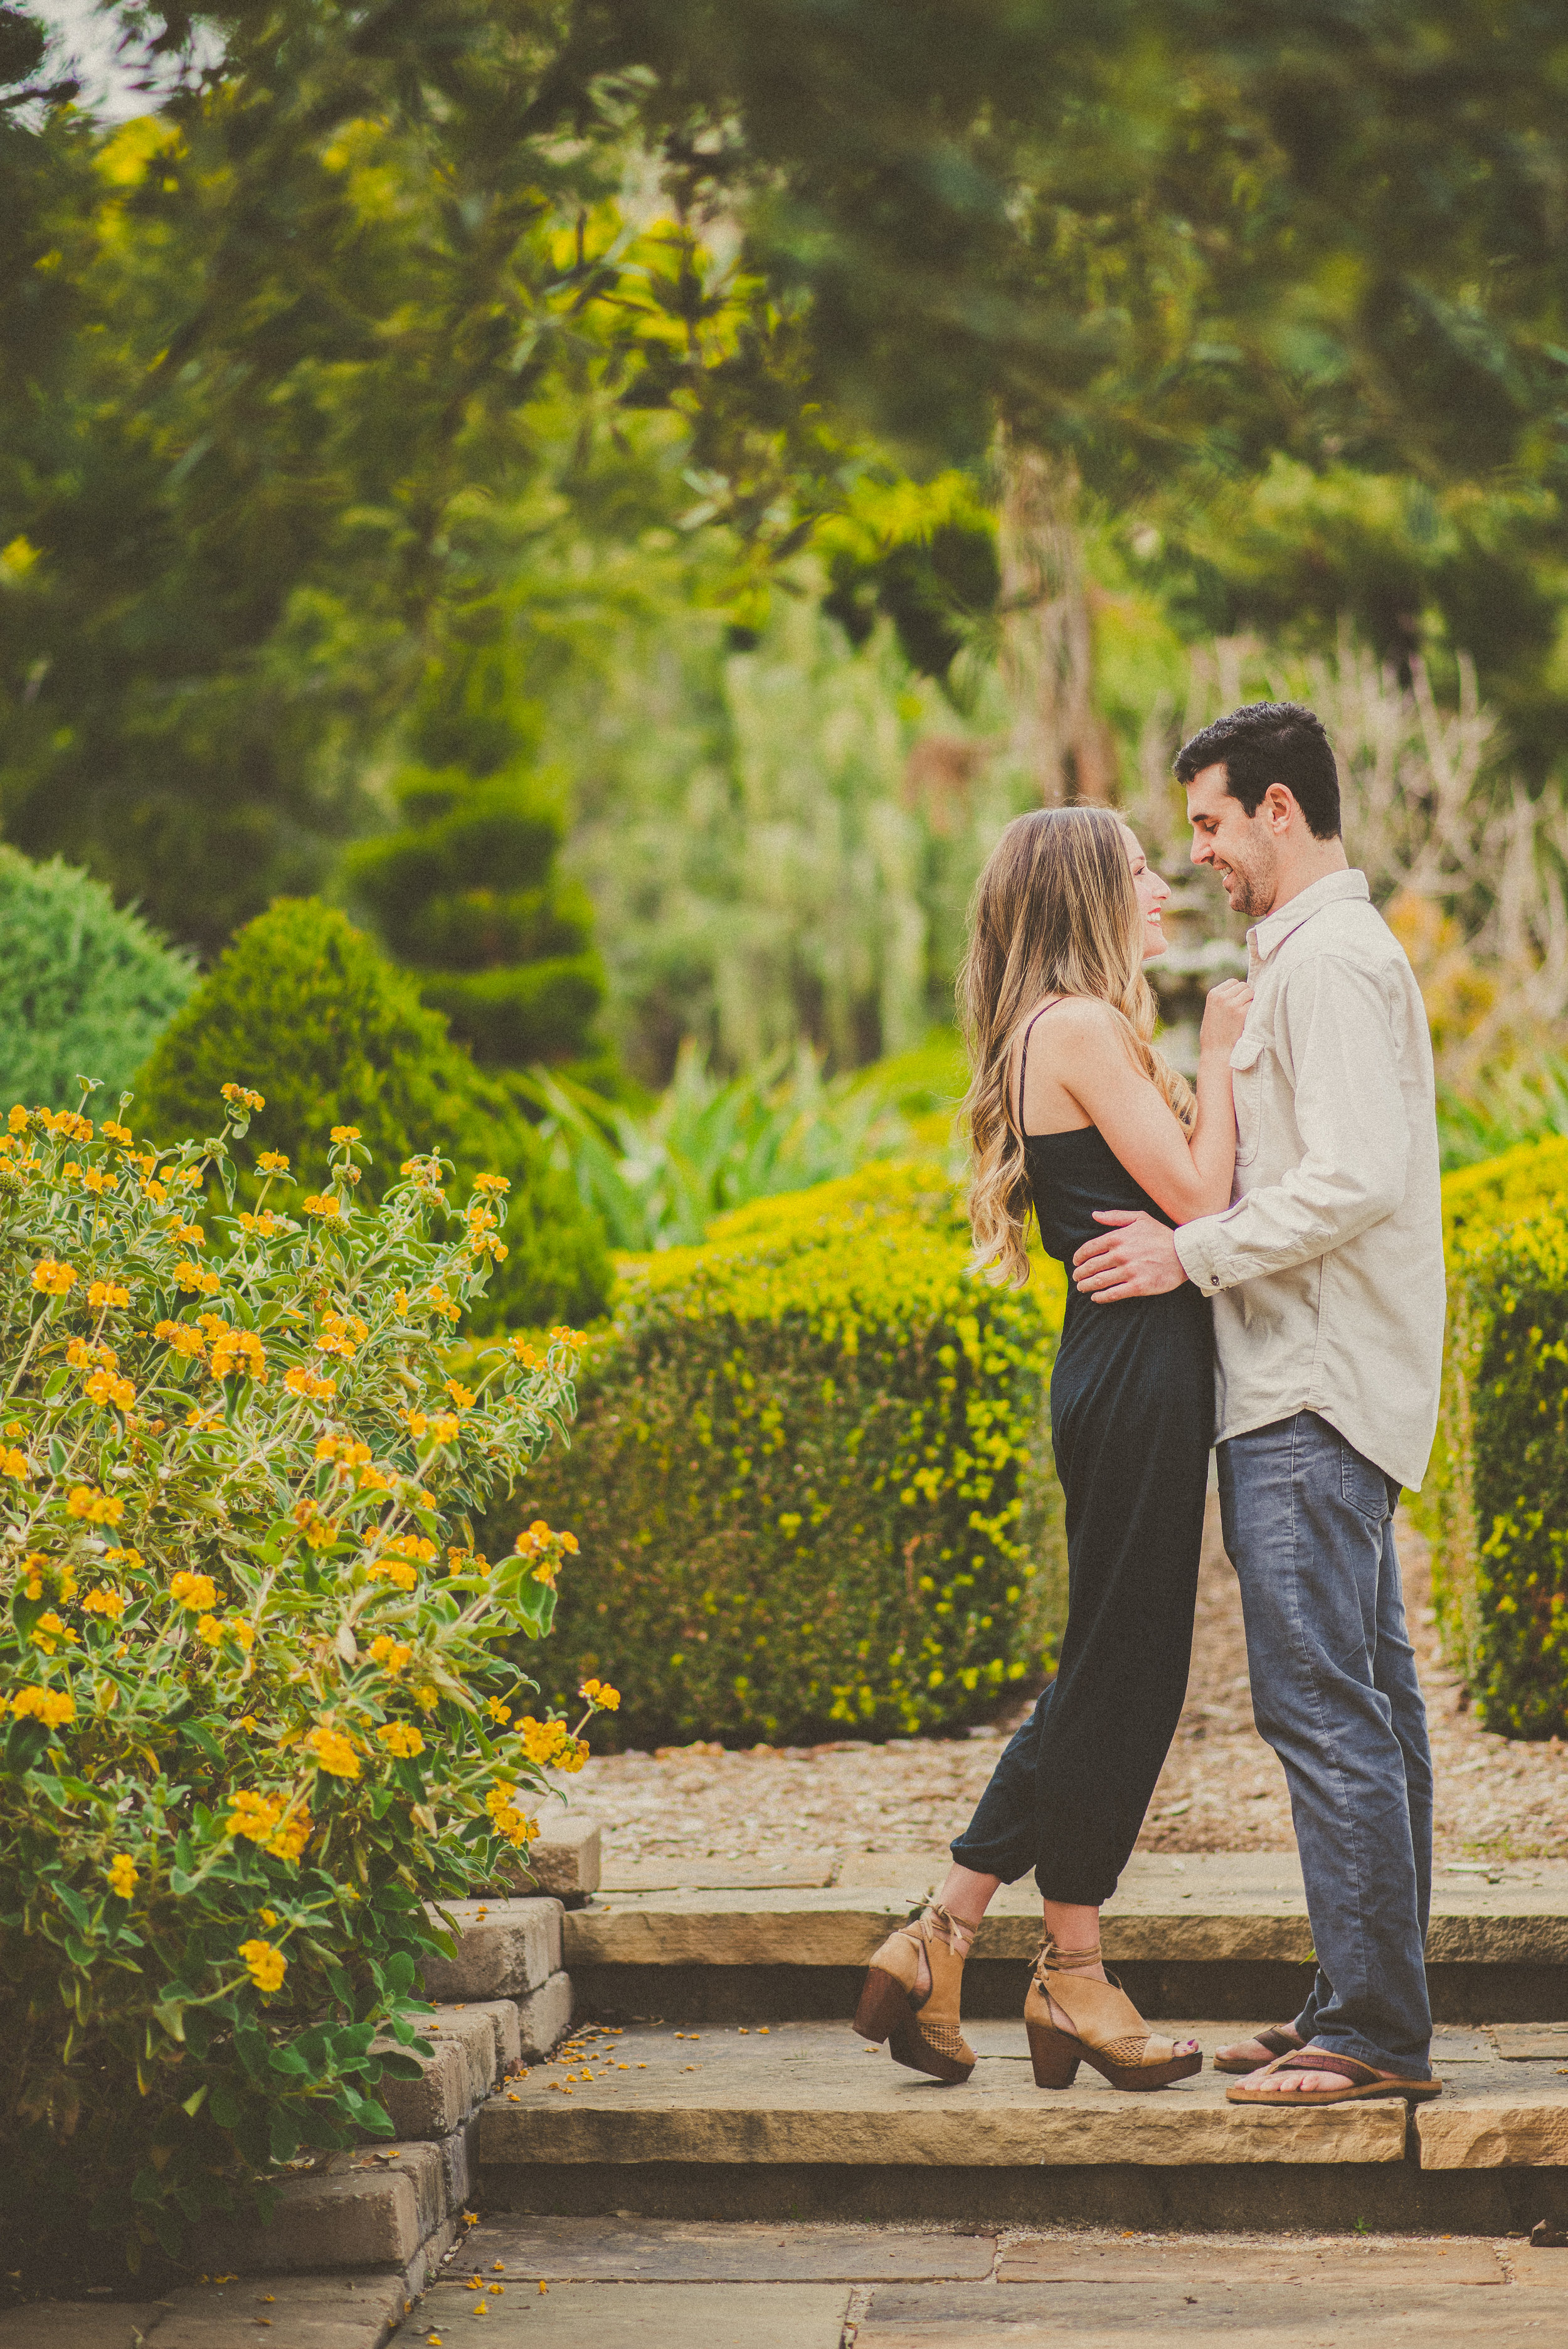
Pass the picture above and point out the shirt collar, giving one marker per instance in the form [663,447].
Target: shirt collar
[1266,936]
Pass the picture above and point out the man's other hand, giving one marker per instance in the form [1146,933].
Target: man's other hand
[1138,1258]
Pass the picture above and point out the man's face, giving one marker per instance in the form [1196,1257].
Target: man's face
[1241,848]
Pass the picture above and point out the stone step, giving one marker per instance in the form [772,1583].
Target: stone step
[801,2119]
[1223,1934]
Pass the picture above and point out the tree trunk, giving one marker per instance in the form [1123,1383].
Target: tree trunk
[1047,634]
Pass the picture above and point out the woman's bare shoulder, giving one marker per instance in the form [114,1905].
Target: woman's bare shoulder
[1074,1019]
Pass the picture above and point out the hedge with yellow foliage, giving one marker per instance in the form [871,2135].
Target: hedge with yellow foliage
[1496,1504]
[253,1715]
[810,1476]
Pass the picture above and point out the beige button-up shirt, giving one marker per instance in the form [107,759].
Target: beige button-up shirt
[1326,1270]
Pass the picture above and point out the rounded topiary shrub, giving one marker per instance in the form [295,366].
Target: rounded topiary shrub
[331,1033]
[84,989]
[811,1478]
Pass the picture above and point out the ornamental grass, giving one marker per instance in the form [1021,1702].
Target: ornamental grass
[256,1707]
[811,1477]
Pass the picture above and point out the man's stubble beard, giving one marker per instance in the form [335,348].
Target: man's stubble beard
[1259,884]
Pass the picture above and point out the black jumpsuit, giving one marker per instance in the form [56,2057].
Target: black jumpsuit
[1133,1417]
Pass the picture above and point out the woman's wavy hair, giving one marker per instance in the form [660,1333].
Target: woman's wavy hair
[1053,913]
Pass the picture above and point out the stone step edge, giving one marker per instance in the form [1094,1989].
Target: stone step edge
[1490,2131]
[381,2206]
[775,1928]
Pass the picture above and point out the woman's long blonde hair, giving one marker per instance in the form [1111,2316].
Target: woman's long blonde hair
[1053,913]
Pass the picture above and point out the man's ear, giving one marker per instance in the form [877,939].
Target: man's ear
[1281,804]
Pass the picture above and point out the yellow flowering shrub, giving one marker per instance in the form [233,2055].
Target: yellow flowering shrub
[256,1702]
[810,1476]
[1495,1503]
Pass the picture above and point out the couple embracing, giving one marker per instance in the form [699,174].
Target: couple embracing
[1260,1267]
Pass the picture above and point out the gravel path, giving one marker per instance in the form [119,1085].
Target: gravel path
[1221,1789]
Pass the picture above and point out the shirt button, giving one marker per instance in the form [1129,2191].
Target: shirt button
[1214,1280]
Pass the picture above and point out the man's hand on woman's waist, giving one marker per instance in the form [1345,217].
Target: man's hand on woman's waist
[1138,1258]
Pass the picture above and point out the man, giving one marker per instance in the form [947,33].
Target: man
[1326,1276]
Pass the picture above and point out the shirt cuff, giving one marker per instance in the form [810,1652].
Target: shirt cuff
[1198,1254]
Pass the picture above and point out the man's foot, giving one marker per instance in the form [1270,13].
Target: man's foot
[1248,2054]
[1290,2084]
[1326,2078]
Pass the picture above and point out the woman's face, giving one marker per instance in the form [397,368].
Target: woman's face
[1152,893]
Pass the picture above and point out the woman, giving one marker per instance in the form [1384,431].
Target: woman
[1072,1112]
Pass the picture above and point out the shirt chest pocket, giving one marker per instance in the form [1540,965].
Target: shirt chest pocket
[1248,1069]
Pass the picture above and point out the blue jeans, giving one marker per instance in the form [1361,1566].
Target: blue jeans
[1308,1523]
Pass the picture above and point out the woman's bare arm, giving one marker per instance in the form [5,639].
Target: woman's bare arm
[1078,1061]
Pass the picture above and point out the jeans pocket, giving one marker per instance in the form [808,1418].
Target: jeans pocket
[1362,1484]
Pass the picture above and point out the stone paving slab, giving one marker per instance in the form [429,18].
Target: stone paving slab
[1242,2314]
[810,2093]
[294,2311]
[660,2250]
[1383,2265]
[815,2093]
[1502,2129]
[678,1875]
[642,2316]
[1532,2042]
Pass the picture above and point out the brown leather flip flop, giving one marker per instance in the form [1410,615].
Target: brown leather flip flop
[1367,2084]
[1272,2040]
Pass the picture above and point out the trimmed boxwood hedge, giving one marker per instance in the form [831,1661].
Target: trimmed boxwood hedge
[1496,1504]
[811,1477]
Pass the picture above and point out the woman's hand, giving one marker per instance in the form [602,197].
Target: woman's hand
[1224,1015]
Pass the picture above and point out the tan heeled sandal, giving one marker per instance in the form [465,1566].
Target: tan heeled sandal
[921,2028]
[1107,2030]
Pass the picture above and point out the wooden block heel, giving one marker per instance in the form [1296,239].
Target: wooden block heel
[1054,2056]
[884,2006]
[1107,2030]
[921,2029]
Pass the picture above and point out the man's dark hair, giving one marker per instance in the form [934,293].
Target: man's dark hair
[1271,742]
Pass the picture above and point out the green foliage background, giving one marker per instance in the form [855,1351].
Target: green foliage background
[305,1008]
[84,989]
[1497,1503]
[811,1477]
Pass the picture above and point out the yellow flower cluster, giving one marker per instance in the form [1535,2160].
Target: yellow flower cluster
[392,1655]
[265,1965]
[341,1333]
[346,1133]
[302,1380]
[199,1592]
[104,1602]
[236,1353]
[242,1097]
[122,1875]
[255,1817]
[333,1752]
[274,1162]
[552,1744]
[600,1696]
[102,1294]
[182,1337]
[513,1826]
[538,1542]
[322,1204]
[53,1278]
[97,1508]
[53,1707]
[15,1464]
[402,1739]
